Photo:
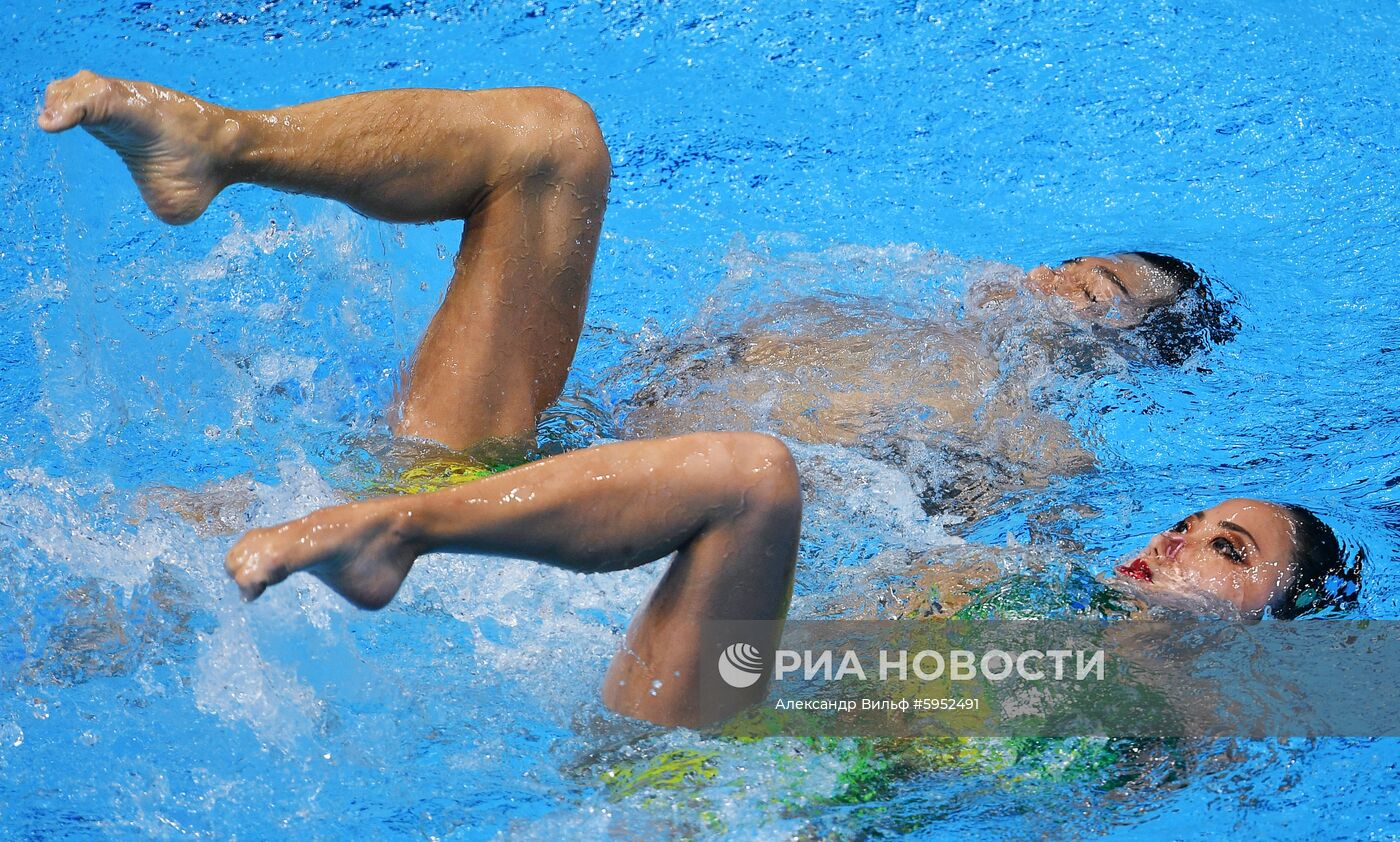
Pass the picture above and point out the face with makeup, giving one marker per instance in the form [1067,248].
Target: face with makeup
[1122,284]
[1240,552]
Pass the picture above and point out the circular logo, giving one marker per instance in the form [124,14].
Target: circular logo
[740,665]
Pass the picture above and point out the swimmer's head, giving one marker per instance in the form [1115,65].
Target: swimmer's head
[1154,306]
[1130,284]
[1245,557]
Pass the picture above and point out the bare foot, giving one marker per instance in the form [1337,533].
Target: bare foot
[357,550]
[177,147]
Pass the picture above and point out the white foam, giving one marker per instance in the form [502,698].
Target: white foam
[233,682]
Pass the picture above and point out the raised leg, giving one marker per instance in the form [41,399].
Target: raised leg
[728,504]
[526,168]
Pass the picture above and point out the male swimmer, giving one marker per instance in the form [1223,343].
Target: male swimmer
[528,171]
[985,389]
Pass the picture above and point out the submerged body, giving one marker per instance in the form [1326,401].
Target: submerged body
[819,371]
[965,384]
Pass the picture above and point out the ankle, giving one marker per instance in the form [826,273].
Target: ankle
[403,528]
[231,144]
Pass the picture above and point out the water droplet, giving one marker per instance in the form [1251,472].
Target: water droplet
[11,735]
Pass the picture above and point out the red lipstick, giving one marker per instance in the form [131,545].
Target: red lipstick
[1137,569]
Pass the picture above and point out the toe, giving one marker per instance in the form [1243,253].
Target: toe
[60,117]
[58,112]
[68,102]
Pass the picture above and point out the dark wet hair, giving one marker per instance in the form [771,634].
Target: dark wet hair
[1178,271]
[1323,574]
[1191,320]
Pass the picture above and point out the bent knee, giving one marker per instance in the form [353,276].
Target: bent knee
[568,108]
[765,473]
[578,151]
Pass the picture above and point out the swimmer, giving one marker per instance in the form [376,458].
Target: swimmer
[528,171]
[1233,561]
[729,506]
[983,391]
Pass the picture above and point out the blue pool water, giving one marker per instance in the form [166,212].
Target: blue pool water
[860,148]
